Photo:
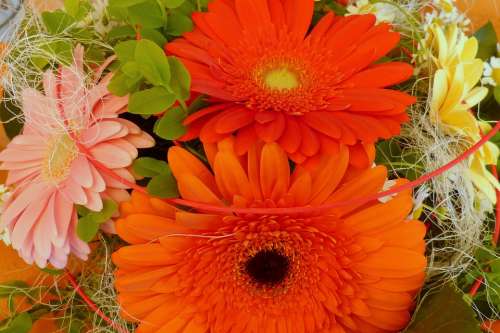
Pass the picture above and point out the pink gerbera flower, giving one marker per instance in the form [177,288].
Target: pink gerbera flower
[49,171]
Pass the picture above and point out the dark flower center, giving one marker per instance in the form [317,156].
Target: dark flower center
[268,267]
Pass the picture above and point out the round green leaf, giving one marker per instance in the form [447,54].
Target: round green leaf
[173,3]
[181,80]
[163,186]
[147,15]
[87,228]
[153,63]
[170,126]
[21,323]
[124,3]
[150,101]
[149,167]
[178,24]
[125,51]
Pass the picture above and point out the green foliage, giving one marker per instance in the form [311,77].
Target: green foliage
[57,21]
[149,167]
[13,288]
[403,160]
[178,24]
[444,311]
[153,63]
[163,185]
[181,80]
[170,126]
[77,9]
[496,93]
[172,3]
[90,221]
[151,101]
[487,41]
[21,323]
[147,14]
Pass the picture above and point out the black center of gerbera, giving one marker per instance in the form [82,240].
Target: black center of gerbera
[268,267]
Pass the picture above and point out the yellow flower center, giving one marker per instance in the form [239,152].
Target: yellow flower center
[61,152]
[281,79]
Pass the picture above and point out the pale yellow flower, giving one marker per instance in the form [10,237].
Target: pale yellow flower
[479,172]
[384,12]
[454,93]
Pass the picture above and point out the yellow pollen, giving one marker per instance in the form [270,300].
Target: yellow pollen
[61,151]
[281,79]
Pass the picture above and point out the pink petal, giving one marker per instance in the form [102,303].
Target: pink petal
[143,140]
[111,156]
[124,173]
[18,176]
[99,183]
[63,210]
[73,192]
[125,146]
[94,201]
[44,232]
[21,198]
[81,173]
[118,195]
[17,155]
[110,106]
[101,131]
[29,218]
[20,165]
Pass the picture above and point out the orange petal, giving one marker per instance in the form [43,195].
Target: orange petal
[274,172]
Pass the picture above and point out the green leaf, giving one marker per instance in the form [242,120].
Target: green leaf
[149,167]
[132,70]
[487,39]
[147,15]
[10,115]
[170,126]
[163,186]
[173,3]
[52,271]
[124,3]
[151,101]
[76,326]
[444,312]
[78,9]
[181,80]
[21,323]
[178,24]
[155,36]
[496,93]
[153,63]
[125,51]
[13,288]
[121,84]
[124,31]
[109,207]
[72,7]
[57,21]
[87,228]
[60,50]
[89,223]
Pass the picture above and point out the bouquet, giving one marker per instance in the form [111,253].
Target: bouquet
[234,166]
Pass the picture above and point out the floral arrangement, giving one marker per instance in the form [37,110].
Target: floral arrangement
[282,166]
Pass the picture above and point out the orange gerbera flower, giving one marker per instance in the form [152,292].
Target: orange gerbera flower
[354,269]
[272,80]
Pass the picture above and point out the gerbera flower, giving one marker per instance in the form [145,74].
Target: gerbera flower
[455,93]
[51,175]
[352,269]
[270,79]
